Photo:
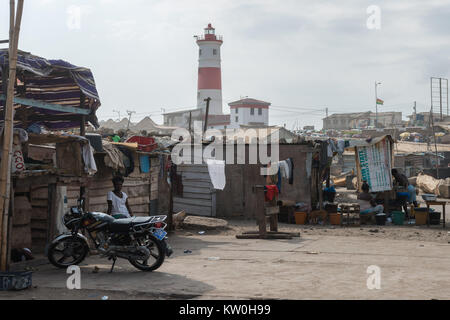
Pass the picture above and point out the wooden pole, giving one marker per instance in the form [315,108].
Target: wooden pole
[12,21]
[190,121]
[10,226]
[83,134]
[207,114]
[5,167]
[3,234]
[170,225]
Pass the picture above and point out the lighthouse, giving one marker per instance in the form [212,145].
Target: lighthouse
[209,72]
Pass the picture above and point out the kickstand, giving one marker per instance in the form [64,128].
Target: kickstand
[112,267]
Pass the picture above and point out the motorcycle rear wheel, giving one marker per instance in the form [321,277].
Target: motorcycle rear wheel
[60,251]
[157,255]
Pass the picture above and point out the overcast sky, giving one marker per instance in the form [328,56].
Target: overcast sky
[300,55]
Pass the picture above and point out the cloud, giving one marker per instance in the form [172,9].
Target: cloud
[291,53]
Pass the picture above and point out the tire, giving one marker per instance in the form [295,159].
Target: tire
[153,245]
[78,247]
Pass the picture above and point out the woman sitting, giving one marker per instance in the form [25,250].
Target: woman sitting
[367,204]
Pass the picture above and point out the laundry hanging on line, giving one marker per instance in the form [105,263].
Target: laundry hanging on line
[271,191]
[88,157]
[216,169]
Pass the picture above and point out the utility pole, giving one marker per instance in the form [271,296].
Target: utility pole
[376,104]
[118,112]
[129,118]
[415,113]
[5,168]
[440,97]
[207,114]
[190,121]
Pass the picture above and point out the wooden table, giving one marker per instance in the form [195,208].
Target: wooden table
[435,203]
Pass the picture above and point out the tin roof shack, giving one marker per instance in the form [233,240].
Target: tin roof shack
[198,197]
[54,172]
[56,95]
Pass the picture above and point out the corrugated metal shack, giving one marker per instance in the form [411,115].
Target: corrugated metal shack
[198,197]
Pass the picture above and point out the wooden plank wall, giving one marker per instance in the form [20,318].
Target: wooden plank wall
[21,230]
[198,194]
[154,178]
[141,188]
[39,216]
[163,189]
[238,198]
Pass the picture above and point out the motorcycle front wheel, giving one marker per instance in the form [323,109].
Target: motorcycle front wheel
[67,252]
[156,258]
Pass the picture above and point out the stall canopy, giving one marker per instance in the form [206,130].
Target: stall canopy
[52,93]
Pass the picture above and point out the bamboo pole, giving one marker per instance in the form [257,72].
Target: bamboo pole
[2,199]
[5,167]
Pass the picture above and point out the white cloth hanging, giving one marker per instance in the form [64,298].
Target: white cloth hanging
[216,169]
[284,168]
[88,156]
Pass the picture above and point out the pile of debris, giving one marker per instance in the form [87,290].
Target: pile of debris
[428,184]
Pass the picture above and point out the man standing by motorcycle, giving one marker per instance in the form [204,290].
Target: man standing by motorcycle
[118,206]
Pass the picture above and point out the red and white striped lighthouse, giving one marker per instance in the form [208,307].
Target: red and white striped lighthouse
[209,72]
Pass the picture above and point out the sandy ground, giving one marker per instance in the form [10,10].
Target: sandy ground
[326,262]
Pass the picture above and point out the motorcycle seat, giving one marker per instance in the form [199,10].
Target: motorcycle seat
[123,225]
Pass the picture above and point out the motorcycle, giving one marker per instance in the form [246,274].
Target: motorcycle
[140,240]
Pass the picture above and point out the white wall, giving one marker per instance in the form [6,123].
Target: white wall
[245,117]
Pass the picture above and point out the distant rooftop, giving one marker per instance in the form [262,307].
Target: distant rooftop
[180,112]
[360,114]
[249,101]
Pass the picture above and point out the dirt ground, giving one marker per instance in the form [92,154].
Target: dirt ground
[325,262]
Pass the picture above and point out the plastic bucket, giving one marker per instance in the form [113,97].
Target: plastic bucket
[335,218]
[435,217]
[300,217]
[398,217]
[15,280]
[421,217]
[381,219]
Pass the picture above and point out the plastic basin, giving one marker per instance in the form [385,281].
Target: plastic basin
[300,217]
[398,217]
[335,218]
[380,219]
